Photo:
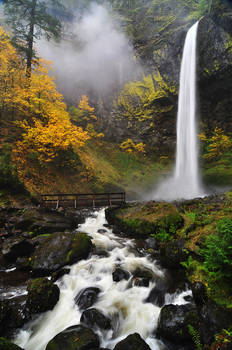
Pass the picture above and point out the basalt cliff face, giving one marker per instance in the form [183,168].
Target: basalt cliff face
[161,52]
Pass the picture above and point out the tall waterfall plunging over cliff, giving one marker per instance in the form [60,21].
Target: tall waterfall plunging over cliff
[185,182]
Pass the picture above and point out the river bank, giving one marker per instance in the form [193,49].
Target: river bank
[140,272]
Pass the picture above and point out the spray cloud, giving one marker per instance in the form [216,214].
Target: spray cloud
[95,60]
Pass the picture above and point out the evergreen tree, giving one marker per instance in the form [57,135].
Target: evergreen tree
[29,20]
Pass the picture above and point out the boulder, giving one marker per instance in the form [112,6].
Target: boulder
[74,338]
[172,253]
[132,342]
[120,274]
[142,277]
[94,318]
[7,345]
[58,274]
[13,315]
[199,293]
[42,295]
[87,297]
[157,294]
[44,220]
[174,322]
[13,248]
[213,319]
[57,250]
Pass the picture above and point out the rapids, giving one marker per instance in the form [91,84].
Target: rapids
[123,302]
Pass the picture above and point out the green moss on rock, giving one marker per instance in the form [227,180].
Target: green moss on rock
[74,338]
[7,345]
[143,219]
[42,295]
[81,247]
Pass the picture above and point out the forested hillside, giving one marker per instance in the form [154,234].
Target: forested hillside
[121,102]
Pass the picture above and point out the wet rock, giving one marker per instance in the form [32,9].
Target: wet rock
[151,243]
[76,337]
[199,293]
[213,319]
[142,277]
[157,294]
[94,318]
[102,231]
[42,295]
[87,297]
[172,254]
[13,315]
[132,342]
[13,248]
[57,250]
[58,274]
[45,221]
[120,274]
[174,322]
[7,345]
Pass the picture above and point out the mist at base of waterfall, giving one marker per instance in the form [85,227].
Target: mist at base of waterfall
[177,189]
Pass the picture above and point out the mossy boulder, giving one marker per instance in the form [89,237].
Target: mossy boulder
[13,315]
[144,219]
[132,342]
[175,323]
[80,248]
[74,338]
[57,250]
[15,247]
[42,295]
[173,253]
[7,345]
[95,318]
[44,221]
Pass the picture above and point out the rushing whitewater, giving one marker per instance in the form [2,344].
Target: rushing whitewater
[123,302]
[185,182]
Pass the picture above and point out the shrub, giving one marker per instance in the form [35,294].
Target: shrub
[218,250]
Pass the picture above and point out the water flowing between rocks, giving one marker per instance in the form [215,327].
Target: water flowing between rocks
[123,302]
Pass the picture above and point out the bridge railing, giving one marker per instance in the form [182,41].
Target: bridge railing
[83,200]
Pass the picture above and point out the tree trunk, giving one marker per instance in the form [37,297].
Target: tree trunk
[30,40]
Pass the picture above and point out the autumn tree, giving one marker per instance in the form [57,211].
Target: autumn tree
[29,19]
[129,146]
[12,79]
[84,116]
[49,132]
[217,144]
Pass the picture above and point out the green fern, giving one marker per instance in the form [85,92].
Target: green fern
[195,336]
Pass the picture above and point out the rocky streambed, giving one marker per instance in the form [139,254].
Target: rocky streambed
[72,280]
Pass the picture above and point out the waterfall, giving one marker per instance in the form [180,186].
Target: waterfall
[185,182]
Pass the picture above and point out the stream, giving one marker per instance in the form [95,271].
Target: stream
[123,302]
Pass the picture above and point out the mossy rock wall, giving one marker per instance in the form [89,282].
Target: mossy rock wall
[144,219]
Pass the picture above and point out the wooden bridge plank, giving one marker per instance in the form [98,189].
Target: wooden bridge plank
[83,200]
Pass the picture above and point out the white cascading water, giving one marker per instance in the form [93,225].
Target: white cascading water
[121,301]
[185,183]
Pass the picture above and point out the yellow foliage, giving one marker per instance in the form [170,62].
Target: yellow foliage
[38,106]
[217,144]
[137,98]
[130,147]
[85,109]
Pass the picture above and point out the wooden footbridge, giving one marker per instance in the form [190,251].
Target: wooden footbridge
[84,200]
